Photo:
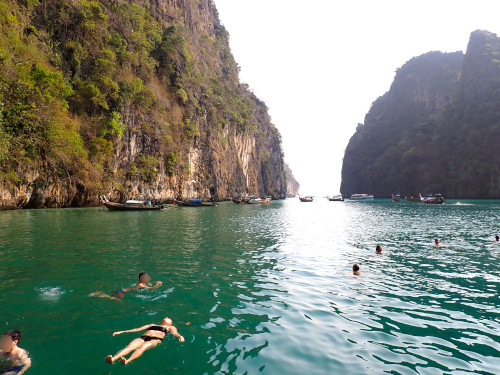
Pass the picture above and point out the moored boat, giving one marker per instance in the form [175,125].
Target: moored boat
[306,198]
[360,197]
[194,203]
[336,198]
[396,198]
[433,199]
[135,206]
[240,200]
[256,200]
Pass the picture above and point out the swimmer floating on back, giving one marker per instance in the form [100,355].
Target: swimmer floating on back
[144,283]
[13,359]
[153,336]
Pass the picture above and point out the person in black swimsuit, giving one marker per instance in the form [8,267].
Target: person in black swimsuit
[153,336]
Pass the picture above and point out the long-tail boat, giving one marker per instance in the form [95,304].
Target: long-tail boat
[433,199]
[133,205]
[306,199]
[194,203]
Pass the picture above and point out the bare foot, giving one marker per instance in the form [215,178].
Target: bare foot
[109,359]
[123,360]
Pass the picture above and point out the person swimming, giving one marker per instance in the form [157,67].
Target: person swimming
[355,269]
[13,359]
[144,283]
[378,250]
[497,238]
[153,336]
[436,242]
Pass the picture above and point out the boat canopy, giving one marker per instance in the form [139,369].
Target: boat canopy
[132,201]
[195,200]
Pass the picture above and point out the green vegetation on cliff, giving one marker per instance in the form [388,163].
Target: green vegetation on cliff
[117,96]
[435,130]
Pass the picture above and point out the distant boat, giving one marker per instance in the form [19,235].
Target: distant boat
[306,199]
[336,198]
[194,203]
[360,197]
[240,200]
[433,199]
[132,205]
[396,198]
[255,200]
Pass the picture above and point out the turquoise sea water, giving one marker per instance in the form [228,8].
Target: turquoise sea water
[259,289]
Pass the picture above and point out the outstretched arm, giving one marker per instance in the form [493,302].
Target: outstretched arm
[147,286]
[174,332]
[26,363]
[143,328]
[157,284]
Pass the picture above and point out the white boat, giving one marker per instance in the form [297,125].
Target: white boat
[336,198]
[360,197]
[255,200]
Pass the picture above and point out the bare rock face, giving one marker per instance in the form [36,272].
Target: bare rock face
[292,186]
[168,117]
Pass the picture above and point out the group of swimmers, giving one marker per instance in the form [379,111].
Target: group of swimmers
[378,250]
[356,268]
[15,361]
[154,334]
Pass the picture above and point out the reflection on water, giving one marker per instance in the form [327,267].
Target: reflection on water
[259,289]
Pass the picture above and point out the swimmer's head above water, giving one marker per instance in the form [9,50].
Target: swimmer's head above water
[378,250]
[9,340]
[436,241]
[166,321]
[144,278]
[355,269]
[497,238]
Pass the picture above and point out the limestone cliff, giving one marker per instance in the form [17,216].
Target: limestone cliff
[382,157]
[436,130]
[292,185]
[129,99]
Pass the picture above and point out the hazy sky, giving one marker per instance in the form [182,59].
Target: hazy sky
[319,64]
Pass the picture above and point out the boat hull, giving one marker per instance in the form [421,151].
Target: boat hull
[439,201]
[112,206]
[361,197]
[306,200]
[336,198]
[189,204]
